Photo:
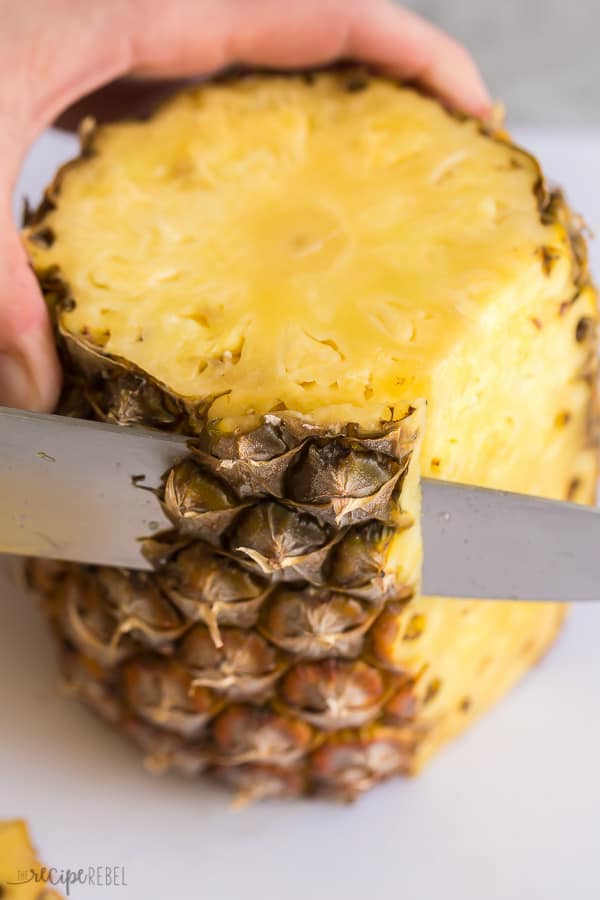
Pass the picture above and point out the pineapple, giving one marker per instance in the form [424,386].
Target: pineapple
[333,286]
[22,877]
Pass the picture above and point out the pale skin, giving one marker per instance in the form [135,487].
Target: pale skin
[53,52]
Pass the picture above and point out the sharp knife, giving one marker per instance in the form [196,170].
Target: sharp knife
[67,491]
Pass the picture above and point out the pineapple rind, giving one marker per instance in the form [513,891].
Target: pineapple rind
[176,652]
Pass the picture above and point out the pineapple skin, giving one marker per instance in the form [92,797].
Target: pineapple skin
[249,649]
[315,708]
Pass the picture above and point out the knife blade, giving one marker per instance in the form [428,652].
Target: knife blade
[73,489]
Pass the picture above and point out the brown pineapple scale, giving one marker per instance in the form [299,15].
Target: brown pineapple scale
[257,656]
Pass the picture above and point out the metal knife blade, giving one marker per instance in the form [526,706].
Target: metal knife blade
[67,491]
[500,545]
[67,488]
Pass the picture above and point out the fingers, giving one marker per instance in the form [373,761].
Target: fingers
[412,48]
[51,54]
[29,370]
[186,38]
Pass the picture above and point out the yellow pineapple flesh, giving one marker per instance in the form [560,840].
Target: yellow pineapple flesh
[22,876]
[275,254]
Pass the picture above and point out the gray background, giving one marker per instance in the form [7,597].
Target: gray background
[540,57]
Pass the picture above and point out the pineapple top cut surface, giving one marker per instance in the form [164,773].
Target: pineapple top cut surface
[291,239]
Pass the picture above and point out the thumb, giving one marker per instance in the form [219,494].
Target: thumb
[29,369]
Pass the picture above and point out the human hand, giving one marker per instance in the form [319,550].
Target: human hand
[54,53]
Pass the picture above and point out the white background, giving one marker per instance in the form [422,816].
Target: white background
[510,810]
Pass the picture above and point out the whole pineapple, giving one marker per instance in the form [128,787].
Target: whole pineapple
[288,268]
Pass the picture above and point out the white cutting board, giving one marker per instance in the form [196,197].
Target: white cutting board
[509,811]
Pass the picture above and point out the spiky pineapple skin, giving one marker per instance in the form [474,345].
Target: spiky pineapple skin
[366,684]
[250,648]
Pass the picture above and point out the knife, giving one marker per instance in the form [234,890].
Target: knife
[70,489]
